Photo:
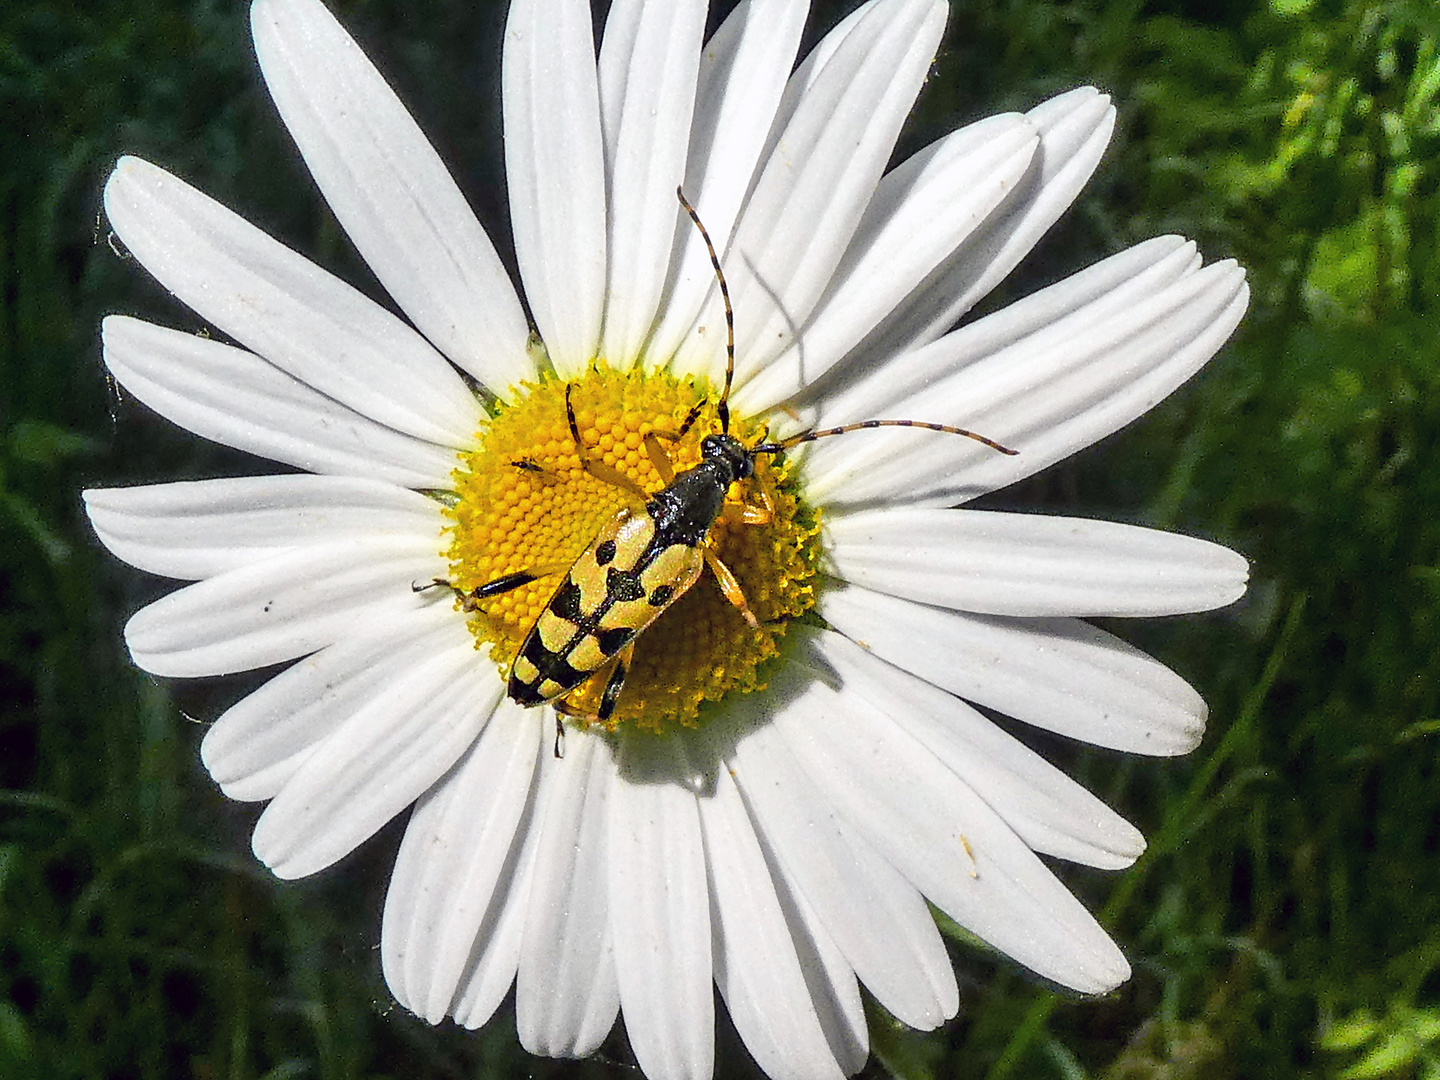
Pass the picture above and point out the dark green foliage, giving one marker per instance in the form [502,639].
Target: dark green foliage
[1286,920]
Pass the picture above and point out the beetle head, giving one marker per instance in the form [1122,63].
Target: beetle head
[730,452]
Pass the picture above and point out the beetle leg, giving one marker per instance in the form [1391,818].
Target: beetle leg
[614,477]
[759,512]
[470,601]
[659,458]
[598,469]
[728,585]
[609,698]
[563,709]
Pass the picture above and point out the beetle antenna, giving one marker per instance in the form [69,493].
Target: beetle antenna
[723,408]
[811,436]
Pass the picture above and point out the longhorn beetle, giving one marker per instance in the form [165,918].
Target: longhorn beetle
[641,561]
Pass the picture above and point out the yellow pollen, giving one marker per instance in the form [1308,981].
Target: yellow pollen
[526,504]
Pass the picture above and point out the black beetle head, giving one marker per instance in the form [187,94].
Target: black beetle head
[729,451]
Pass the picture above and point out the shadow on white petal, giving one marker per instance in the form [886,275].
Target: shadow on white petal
[821,174]
[1049,811]
[944,837]
[756,965]
[1064,385]
[874,916]
[649,61]
[922,211]
[1075,127]
[743,70]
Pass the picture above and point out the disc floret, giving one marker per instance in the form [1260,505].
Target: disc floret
[527,504]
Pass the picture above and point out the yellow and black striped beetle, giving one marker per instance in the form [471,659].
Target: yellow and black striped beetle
[642,560]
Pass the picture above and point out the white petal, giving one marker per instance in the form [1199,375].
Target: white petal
[200,529]
[648,65]
[390,190]
[254,748]
[1070,382]
[281,607]
[756,966]
[875,916]
[1075,128]
[1049,811]
[830,978]
[1031,564]
[493,961]
[233,397]
[299,317]
[1060,674]
[555,168]
[1112,285]
[821,172]
[743,69]
[922,211]
[659,912]
[457,862]
[377,762]
[815,62]
[944,837]
[566,996]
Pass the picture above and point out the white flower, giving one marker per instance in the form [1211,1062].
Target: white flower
[786,846]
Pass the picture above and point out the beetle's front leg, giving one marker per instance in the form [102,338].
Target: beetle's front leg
[759,512]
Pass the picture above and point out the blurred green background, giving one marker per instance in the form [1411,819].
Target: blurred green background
[1286,919]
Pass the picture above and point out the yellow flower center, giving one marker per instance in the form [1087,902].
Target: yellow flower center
[527,505]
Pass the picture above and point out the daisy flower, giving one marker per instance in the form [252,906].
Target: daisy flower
[771,807]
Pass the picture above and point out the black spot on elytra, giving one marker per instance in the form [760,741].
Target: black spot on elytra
[613,640]
[535,651]
[548,665]
[567,602]
[605,552]
[523,693]
[622,586]
[661,596]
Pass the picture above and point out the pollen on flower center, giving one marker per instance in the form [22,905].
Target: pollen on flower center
[526,504]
